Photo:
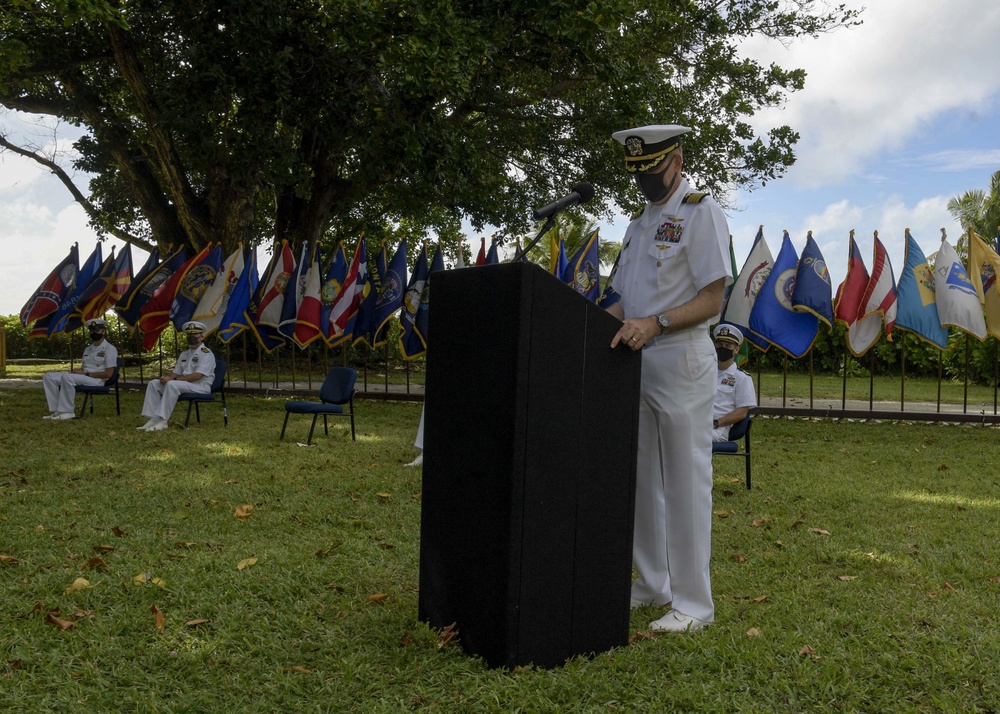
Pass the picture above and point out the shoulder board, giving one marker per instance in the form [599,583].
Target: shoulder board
[205,349]
[694,197]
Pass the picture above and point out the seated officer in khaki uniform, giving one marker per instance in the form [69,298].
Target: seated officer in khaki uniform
[194,372]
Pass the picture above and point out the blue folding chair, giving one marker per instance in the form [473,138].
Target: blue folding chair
[195,399]
[739,430]
[336,391]
[89,392]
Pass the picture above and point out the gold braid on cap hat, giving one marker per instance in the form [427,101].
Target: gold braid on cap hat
[634,164]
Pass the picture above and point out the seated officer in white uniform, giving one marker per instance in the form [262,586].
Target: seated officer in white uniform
[99,360]
[734,395]
[194,372]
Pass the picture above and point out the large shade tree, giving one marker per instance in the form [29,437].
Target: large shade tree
[262,120]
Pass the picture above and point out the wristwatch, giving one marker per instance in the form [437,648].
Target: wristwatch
[664,322]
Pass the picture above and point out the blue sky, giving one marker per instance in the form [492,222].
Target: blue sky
[897,116]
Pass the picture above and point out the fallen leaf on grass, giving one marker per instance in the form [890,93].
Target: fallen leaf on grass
[995,580]
[148,578]
[820,531]
[641,635]
[335,587]
[9,560]
[118,532]
[808,651]
[727,492]
[760,522]
[378,597]
[950,586]
[384,497]
[735,480]
[448,636]
[741,597]
[386,546]
[185,544]
[245,563]
[78,584]
[95,562]
[244,511]
[104,548]
[754,632]
[297,668]
[195,623]
[762,598]
[161,621]
[722,514]
[943,467]
[61,624]
[738,558]
[845,578]
[779,544]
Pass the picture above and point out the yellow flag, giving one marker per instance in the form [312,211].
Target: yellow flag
[984,266]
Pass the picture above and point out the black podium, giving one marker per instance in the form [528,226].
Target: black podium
[529,468]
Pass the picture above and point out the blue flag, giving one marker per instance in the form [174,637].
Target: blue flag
[47,298]
[772,316]
[193,286]
[583,273]
[234,321]
[492,257]
[390,296]
[916,300]
[87,273]
[813,291]
[420,326]
[92,297]
[410,343]
[364,324]
[150,265]
[141,291]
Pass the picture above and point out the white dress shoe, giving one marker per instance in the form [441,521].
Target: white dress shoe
[675,621]
[60,416]
[145,427]
[50,416]
[160,425]
[417,461]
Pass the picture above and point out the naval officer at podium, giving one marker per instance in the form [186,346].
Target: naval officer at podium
[672,271]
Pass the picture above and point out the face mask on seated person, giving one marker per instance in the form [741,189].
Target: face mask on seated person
[725,354]
[192,340]
[96,335]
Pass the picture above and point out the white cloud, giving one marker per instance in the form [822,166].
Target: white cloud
[957,160]
[870,89]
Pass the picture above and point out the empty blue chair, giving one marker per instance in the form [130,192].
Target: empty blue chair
[336,391]
[740,430]
[90,392]
[194,399]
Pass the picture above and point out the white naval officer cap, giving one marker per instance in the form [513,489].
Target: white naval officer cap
[728,333]
[194,328]
[646,147]
[97,322]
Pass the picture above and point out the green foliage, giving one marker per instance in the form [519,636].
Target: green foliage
[979,210]
[312,120]
[858,575]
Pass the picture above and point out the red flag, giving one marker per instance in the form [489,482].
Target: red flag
[46,299]
[307,320]
[481,258]
[851,292]
[155,315]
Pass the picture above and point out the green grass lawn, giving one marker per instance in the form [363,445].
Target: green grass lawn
[862,573]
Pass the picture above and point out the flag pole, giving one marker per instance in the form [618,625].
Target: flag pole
[902,376]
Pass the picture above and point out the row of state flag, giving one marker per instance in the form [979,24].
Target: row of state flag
[291,301]
[782,301]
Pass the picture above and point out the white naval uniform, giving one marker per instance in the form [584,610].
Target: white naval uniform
[60,387]
[734,389]
[162,398]
[668,254]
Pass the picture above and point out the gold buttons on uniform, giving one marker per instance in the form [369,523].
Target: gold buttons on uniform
[658,264]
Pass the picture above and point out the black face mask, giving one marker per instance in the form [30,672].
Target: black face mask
[652,186]
[96,336]
[725,354]
[192,341]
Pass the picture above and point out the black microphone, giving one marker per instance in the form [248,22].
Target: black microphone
[581,193]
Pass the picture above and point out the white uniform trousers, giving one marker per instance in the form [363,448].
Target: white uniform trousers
[162,398]
[419,441]
[60,389]
[673,503]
